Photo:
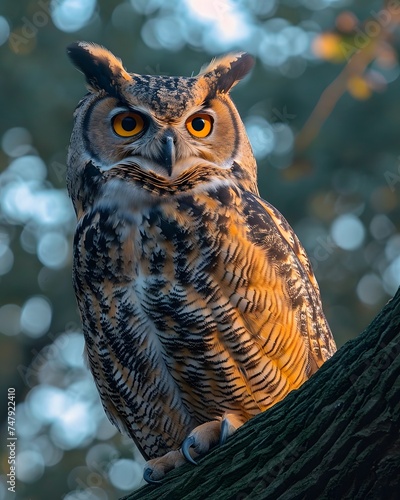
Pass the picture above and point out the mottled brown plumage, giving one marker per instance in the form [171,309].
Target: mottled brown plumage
[198,303]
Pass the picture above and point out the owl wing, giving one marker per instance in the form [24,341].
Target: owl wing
[319,334]
[251,327]
[269,281]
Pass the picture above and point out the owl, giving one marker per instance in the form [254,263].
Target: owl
[198,303]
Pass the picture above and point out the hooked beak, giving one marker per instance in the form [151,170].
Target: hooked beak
[167,156]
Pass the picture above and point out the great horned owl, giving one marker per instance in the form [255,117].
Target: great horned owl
[198,302]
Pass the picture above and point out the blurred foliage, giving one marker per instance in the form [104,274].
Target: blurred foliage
[322,112]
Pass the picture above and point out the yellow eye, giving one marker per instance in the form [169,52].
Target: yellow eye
[127,124]
[200,125]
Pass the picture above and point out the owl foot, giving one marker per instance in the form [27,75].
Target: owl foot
[156,468]
[206,436]
[201,439]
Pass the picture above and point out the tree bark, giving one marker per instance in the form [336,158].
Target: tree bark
[337,437]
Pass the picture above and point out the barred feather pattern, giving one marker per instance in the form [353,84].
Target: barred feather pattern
[199,305]
[198,302]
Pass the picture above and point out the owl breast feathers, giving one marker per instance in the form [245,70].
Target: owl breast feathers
[198,303]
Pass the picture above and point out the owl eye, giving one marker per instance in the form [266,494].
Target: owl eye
[127,124]
[199,125]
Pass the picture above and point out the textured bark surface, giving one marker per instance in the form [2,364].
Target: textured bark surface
[337,437]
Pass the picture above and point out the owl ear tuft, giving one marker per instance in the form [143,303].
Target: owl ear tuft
[103,71]
[228,70]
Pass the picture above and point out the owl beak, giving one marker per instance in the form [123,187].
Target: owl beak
[168,151]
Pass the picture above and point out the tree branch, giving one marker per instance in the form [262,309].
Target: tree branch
[338,436]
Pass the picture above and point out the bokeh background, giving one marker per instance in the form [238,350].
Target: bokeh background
[322,111]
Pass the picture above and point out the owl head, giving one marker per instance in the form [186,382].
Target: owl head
[155,135]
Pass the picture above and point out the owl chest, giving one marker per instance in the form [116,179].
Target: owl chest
[162,294]
[155,264]
[147,287]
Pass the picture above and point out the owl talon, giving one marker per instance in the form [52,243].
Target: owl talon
[147,476]
[225,431]
[229,424]
[185,449]
[157,467]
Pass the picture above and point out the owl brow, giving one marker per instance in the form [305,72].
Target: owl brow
[125,105]
[206,103]
[210,96]
[122,102]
